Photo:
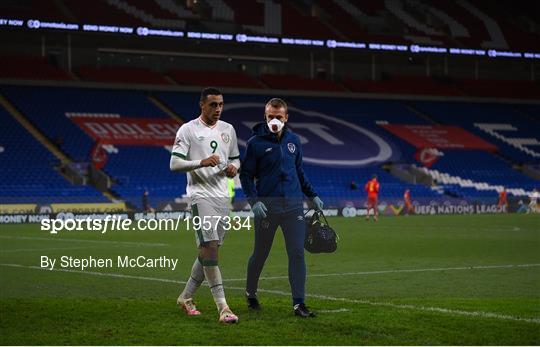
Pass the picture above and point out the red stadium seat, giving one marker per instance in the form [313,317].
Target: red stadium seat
[30,9]
[296,24]
[417,85]
[121,75]
[300,83]
[500,88]
[214,78]
[247,12]
[31,68]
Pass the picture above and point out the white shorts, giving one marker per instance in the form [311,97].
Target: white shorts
[211,220]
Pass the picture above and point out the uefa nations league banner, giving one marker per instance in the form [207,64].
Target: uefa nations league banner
[423,206]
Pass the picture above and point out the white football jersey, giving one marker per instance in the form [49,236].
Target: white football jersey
[195,140]
[534,197]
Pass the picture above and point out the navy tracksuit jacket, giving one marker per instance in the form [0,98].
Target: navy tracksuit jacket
[272,172]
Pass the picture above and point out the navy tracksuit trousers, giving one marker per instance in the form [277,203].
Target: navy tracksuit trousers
[293,225]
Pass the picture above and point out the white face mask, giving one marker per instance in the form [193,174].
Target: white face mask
[275,125]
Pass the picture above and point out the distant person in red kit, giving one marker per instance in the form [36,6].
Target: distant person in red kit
[502,200]
[372,190]
[409,208]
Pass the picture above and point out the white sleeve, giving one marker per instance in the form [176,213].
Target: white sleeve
[234,153]
[182,142]
[180,164]
[180,152]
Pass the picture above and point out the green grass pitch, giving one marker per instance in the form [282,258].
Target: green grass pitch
[422,280]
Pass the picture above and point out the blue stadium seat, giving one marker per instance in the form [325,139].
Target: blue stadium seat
[29,175]
[47,107]
[525,118]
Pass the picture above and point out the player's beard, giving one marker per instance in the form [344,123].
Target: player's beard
[211,119]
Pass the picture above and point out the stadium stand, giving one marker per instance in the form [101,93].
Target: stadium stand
[517,37]
[46,108]
[462,23]
[532,111]
[499,88]
[373,17]
[475,117]
[131,168]
[478,174]
[297,24]
[346,19]
[291,82]
[154,9]
[30,176]
[182,104]
[30,68]
[121,75]
[136,168]
[417,85]
[477,32]
[342,20]
[334,185]
[217,78]
[31,9]
[369,7]
[174,7]
[149,12]
[246,13]
[100,12]
[463,174]
[483,168]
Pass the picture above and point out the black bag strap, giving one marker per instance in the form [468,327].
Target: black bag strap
[317,214]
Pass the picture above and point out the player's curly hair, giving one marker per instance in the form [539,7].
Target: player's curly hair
[278,103]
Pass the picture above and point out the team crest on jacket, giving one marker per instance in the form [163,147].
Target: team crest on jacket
[291,147]
[225,137]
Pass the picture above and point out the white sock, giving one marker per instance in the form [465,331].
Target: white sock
[213,276]
[195,279]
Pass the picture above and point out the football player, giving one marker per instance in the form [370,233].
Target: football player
[409,208]
[533,203]
[503,200]
[206,148]
[372,190]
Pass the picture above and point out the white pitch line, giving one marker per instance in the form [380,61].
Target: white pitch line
[410,307]
[480,314]
[148,244]
[94,273]
[366,273]
[334,311]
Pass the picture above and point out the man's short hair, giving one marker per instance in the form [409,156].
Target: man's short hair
[209,91]
[278,103]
